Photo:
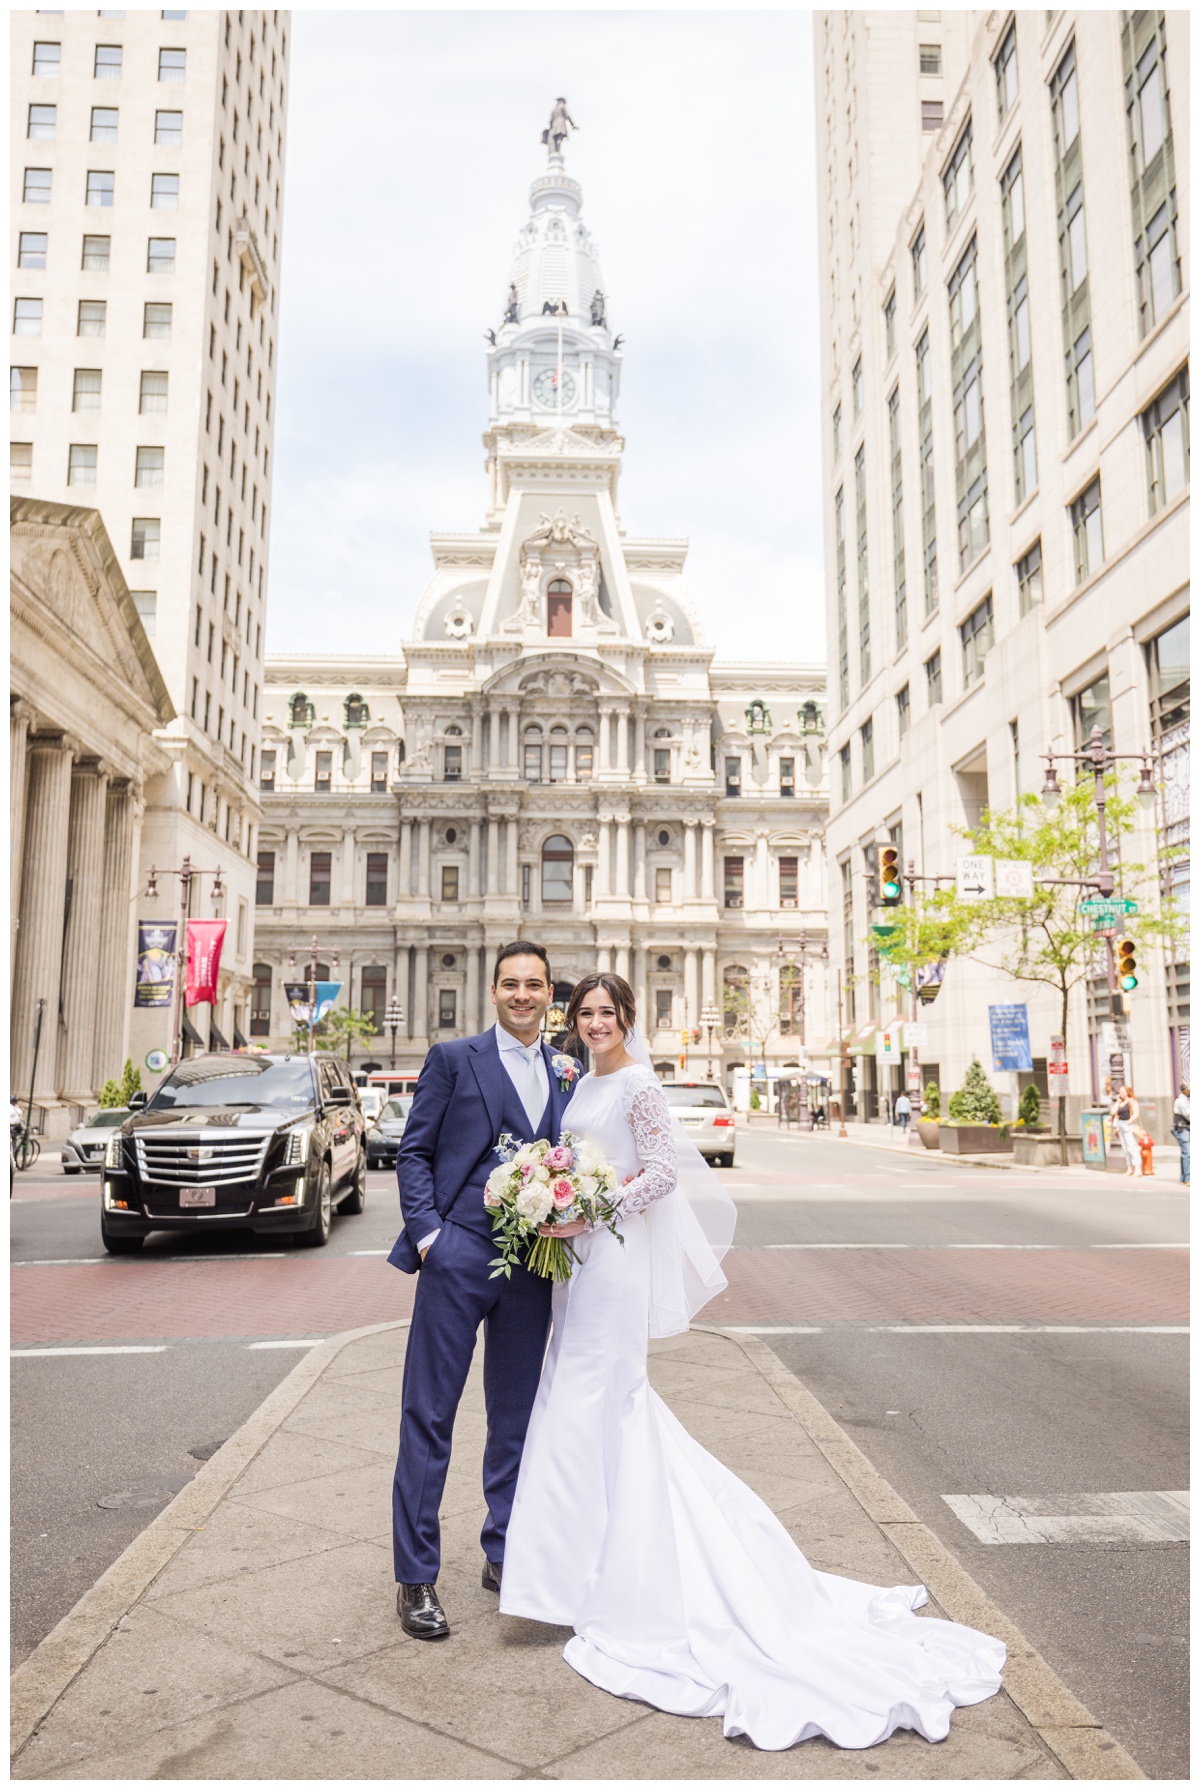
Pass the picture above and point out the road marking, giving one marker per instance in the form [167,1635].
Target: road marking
[937,1246]
[66,1261]
[986,1329]
[1073,1517]
[105,1349]
[368,1252]
[307,1342]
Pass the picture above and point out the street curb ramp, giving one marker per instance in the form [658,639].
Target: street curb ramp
[1071,1733]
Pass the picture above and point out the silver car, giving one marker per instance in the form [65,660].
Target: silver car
[385,1132]
[701,1112]
[83,1148]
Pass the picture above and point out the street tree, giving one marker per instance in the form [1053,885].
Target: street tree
[338,1031]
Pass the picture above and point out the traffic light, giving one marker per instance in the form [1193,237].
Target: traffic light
[695,1034]
[685,1038]
[889,876]
[1126,965]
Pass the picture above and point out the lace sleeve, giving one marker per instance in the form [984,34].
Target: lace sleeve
[650,1121]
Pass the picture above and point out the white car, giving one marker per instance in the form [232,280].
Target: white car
[371,1100]
[83,1148]
[701,1112]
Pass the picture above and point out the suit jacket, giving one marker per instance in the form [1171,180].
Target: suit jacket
[464,1099]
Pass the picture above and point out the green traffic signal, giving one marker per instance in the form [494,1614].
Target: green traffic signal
[1127,965]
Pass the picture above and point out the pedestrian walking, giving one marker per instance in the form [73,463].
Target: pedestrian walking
[1182,1127]
[1126,1117]
[903,1111]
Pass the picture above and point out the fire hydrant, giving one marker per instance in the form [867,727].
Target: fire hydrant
[1146,1145]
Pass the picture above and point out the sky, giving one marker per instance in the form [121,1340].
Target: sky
[412,141]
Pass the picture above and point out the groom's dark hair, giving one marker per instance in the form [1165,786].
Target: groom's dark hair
[522,948]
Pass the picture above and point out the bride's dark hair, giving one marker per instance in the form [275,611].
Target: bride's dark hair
[615,987]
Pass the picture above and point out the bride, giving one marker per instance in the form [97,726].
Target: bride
[683,1588]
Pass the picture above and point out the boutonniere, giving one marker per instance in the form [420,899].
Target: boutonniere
[566,1069]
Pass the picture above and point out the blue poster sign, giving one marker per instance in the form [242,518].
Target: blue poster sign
[1010,1036]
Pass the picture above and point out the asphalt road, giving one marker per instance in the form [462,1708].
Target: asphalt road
[848,1259]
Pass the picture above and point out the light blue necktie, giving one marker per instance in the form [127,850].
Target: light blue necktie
[532,1098]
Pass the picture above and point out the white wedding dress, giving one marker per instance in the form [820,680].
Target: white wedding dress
[684,1590]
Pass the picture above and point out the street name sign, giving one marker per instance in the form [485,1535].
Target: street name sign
[975,878]
[1116,905]
[1014,877]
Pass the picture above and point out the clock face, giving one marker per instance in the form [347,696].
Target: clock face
[545,388]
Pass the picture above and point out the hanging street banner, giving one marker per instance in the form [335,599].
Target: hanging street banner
[298,1001]
[204,941]
[1009,1024]
[155,984]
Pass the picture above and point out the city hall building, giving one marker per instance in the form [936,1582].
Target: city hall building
[554,751]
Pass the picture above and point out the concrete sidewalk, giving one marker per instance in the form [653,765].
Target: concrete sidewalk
[250,1631]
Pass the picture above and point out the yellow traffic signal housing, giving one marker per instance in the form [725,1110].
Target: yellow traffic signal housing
[1126,965]
[890,886]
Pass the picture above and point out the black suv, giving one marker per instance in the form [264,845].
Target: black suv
[262,1143]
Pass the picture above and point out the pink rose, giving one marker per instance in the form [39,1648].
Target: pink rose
[563,1192]
[558,1157]
[526,1170]
[493,1200]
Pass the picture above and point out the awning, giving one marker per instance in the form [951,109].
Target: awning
[240,1041]
[215,1039]
[832,1048]
[862,1043]
[191,1034]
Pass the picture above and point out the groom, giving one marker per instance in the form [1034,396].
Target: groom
[469,1091]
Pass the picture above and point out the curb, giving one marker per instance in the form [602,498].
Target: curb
[56,1661]
[1068,1729]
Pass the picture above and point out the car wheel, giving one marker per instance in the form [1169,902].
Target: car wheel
[116,1244]
[317,1234]
[68,1170]
[356,1200]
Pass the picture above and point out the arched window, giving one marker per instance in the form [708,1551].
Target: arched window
[558,755]
[558,864]
[357,712]
[260,1002]
[558,609]
[810,716]
[300,710]
[585,752]
[533,755]
[735,984]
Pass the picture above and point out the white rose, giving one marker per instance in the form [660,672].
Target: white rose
[526,1153]
[540,1174]
[588,1186]
[498,1179]
[588,1161]
[534,1203]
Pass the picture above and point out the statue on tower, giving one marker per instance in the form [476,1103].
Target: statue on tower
[555,133]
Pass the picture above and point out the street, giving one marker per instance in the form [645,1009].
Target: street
[978,1332]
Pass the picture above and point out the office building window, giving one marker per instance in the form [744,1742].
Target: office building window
[839,529]
[919,263]
[146,604]
[1158,273]
[379,773]
[1168,445]
[1024,455]
[22,388]
[958,176]
[866,735]
[101,185]
[735,882]
[164,192]
[172,65]
[260,1001]
[559,753]
[733,776]
[47,58]
[1006,72]
[929,554]
[81,465]
[844,762]
[31,248]
[558,867]
[41,124]
[145,537]
[735,989]
[856,386]
[20,462]
[168,129]
[96,253]
[933,679]
[864,594]
[1081,383]
[930,56]
[373,993]
[1088,532]
[377,879]
[156,323]
[1093,708]
[903,710]
[264,893]
[1152,164]
[931,115]
[837,432]
[789,882]
[85,390]
[107,66]
[1029,578]
[93,315]
[787,776]
[533,760]
[148,467]
[889,324]
[899,583]
[447,1009]
[152,394]
[449,882]
[104,124]
[320,871]
[1020,368]
[323,779]
[36,190]
[27,317]
[977,634]
[266,769]
[662,1009]
[160,254]
[584,750]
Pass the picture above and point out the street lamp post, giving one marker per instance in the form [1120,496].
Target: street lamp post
[334,959]
[710,1019]
[797,1012]
[187,874]
[393,1019]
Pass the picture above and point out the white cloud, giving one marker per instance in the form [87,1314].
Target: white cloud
[413,138]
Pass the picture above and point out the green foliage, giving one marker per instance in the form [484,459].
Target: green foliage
[1029,1111]
[755,1100]
[341,1028]
[131,1081]
[110,1094]
[933,1100]
[976,1102]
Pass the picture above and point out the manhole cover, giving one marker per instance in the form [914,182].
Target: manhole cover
[132,1499]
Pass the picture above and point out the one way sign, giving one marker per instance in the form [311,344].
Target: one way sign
[975,878]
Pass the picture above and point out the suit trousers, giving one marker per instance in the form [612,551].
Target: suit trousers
[455,1294]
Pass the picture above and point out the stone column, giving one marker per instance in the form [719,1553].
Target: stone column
[639,988]
[424,828]
[471,1016]
[19,717]
[762,874]
[689,860]
[349,867]
[493,856]
[514,743]
[476,770]
[707,860]
[43,893]
[291,868]
[421,992]
[623,961]
[114,993]
[511,880]
[604,857]
[708,977]
[473,883]
[623,857]
[404,878]
[604,957]
[690,988]
[86,949]
[639,722]
[639,860]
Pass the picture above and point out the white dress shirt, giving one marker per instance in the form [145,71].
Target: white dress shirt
[518,1060]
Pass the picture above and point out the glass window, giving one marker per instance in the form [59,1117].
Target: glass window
[452,764]
[866,735]
[837,432]
[377,879]
[1012,194]
[1025,454]
[320,870]
[31,248]
[164,192]
[1081,384]
[41,123]
[787,776]
[449,882]
[662,884]
[104,124]
[108,62]
[447,1009]
[583,757]
[168,129]
[933,678]
[145,537]
[260,1000]
[152,397]
[1158,265]
[1076,240]
[156,323]
[379,773]
[172,65]
[1065,90]
[918,263]
[662,764]
[978,635]
[37,186]
[963,298]
[558,609]
[146,604]
[558,760]
[96,252]
[148,467]
[856,386]
[789,882]
[847,777]
[533,761]
[241,1081]
[160,254]
[735,882]
[957,179]
[733,776]
[266,768]
[1029,578]
[930,58]
[558,862]
[1020,319]
[47,58]
[22,388]
[81,465]
[93,314]
[1168,446]
[1006,72]
[20,462]
[1151,112]
[324,773]
[1088,532]
[931,115]
[85,394]
[1093,708]
[100,187]
[662,1008]
[903,710]
[889,323]
[27,317]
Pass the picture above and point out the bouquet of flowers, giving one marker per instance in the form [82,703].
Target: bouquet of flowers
[541,1183]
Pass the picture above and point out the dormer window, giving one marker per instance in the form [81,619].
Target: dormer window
[758,717]
[809,715]
[300,711]
[558,609]
[357,712]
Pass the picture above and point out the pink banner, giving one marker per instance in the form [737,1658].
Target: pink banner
[204,941]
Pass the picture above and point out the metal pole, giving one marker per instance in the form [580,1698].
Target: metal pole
[842,1132]
[37,1042]
[185,883]
[312,992]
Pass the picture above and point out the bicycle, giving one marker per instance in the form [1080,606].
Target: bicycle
[27,1151]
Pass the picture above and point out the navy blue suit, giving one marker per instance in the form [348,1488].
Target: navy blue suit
[464,1099]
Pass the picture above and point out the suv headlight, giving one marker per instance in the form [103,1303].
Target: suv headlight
[297,1149]
[113,1154]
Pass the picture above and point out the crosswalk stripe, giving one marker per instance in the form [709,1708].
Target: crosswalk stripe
[1073,1516]
[105,1349]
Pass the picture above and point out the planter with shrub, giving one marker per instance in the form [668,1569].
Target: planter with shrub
[975,1126]
[928,1123]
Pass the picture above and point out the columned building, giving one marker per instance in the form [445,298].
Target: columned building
[147,168]
[88,700]
[553,752]
[1005,231]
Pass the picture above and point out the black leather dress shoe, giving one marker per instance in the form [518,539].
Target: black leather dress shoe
[420,1613]
[493,1572]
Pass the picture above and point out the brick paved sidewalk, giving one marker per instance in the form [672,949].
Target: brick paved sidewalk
[251,1633]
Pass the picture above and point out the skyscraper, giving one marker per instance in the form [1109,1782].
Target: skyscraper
[148,159]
